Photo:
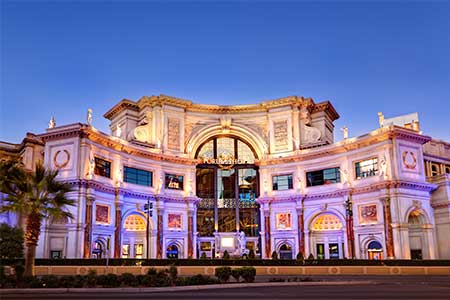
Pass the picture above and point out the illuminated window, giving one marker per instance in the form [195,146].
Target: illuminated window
[137,176]
[174,182]
[327,222]
[102,167]
[126,251]
[434,169]
[321,177]
[134,223]
[366,168]
[282,182]
[138,250]
[207,151]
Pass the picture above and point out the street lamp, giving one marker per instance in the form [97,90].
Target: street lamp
[148,208]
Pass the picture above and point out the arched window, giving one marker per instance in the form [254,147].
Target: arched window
[134,223]
[227,183]
[172,251]
[327,222]
[285,251]
[375,250]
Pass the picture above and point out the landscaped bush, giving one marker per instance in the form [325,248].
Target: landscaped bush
[236,273]
[248,273]
[223,274]
[274,255]
[128,279]
[226,255]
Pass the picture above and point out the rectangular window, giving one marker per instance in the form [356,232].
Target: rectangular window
[102,167]
[282,182]
[138,251]
[174,182]
[366,168]
[137,176]
[322,177]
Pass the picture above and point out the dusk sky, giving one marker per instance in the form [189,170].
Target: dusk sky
[61,58]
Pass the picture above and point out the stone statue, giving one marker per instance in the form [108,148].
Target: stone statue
[91,167]
[383,167]
[242,242]
[345,132]
[89,116]
[344,175]
[381,119]
[118,131]
[119,176]
[52,123]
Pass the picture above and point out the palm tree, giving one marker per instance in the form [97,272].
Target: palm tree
[37,195]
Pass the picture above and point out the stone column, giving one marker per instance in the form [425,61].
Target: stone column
[349,227]
[159,237]
[267,234]
[118,230]
[301,236]
[190,234]
[90,198]
[388,226]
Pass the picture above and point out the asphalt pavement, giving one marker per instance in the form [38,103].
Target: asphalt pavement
[417,287]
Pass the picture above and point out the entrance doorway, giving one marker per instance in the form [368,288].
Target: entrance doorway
[285,251]
[374,251]
[172,251]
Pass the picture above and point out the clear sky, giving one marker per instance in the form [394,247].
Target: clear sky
[61,57]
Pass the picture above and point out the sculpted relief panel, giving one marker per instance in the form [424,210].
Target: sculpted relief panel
[280,129]
[173,136]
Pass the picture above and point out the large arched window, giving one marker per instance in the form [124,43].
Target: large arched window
[228,186]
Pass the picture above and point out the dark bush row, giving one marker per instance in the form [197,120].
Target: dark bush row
[227,262]
[154,278]
[224,274]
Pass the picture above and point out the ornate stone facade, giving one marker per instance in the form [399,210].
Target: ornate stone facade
[285,185]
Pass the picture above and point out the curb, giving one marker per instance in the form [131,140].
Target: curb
[176,288]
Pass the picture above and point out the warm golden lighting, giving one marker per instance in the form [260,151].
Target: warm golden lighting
[327,222]
[134,223]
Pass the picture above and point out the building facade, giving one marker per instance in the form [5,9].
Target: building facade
[185,180]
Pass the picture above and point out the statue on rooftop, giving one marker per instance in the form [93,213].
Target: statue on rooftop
[381,119]
[52,123]
[89,116]
[345,132]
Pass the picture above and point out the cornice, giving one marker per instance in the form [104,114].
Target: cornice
[122,105]
[188,105]
[377,136]
[90,133]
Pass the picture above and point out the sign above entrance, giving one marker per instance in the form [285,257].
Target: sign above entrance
[224,161]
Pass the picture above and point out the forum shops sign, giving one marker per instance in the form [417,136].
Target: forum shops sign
[224,161]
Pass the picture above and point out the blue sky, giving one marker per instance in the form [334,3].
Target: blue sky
[61,57]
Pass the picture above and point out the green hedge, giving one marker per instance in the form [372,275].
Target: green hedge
[228,262]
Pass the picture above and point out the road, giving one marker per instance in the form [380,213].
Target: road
[389,288]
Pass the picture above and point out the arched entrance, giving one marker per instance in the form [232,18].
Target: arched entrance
[374,250]
[227,183]
[416,234]
[134,240]
[285,251]
[327,237]
[172,251]
[98,250]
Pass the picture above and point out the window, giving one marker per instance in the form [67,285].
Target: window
[138,176]
[322,177]
[174,182]
[102,167]
[282,182]
[366,168]
[434,169]
[447,169]
[56,254]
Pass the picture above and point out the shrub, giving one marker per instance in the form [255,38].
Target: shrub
[67,281]
[111,280]
[248,274]
[11,241]
[226,255]
[80,281]
[173,272]
[223,273]
[128,279]
[203,256]
[50,281]
[274,255]
[311,256]
[251,254]
[92,279]
[32,282]
[236,273]
[19,269]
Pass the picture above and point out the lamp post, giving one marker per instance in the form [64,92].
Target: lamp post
[350,234]
[148,208]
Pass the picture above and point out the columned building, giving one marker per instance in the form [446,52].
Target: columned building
[176,179]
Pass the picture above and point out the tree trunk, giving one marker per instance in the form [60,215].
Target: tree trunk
[33,229]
